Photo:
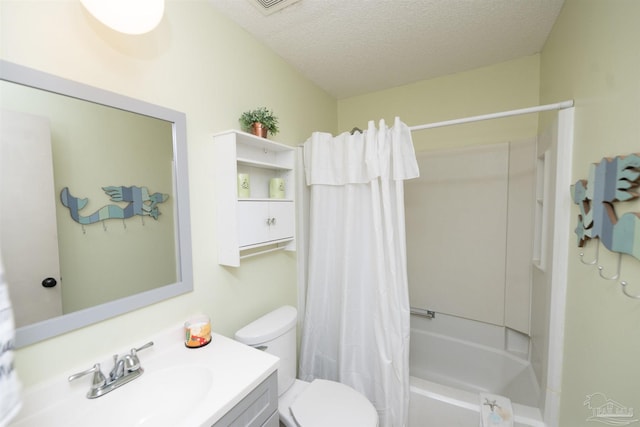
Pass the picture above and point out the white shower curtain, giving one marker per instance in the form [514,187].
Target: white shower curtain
[356,323]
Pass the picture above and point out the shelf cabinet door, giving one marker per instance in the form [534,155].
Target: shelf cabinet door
[262,221]
[253,222]
[282,220]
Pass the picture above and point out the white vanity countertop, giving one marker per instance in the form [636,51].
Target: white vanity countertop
[180,387]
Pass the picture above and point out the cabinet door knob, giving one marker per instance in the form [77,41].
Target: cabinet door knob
[273,221]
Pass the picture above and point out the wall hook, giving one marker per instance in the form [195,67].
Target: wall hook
[615,276]
[595,260]
[624,291]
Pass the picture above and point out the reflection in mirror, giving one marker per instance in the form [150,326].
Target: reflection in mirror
[94,218]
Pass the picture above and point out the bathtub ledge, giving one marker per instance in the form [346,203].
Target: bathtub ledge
[524,415]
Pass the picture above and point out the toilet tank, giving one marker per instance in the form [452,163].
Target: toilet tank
[275,333]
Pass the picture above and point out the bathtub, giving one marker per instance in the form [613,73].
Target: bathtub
[453,360]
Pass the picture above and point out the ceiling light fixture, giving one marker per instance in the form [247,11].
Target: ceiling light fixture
[127,16]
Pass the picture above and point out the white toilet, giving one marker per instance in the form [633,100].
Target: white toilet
[320,403]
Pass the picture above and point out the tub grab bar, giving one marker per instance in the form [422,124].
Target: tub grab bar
[429,314]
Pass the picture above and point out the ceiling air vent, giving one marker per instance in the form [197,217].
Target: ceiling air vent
[268,7]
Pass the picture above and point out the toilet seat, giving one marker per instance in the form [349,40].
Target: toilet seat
[328,403]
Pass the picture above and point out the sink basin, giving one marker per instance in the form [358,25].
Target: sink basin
[180,387]
[163,397]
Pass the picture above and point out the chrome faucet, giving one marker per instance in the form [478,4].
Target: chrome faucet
[125,369]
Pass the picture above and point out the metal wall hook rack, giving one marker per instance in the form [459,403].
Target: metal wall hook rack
[624,285]
[610,182]
[616,275]
[593,261]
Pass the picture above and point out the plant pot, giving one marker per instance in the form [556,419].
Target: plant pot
[258,129]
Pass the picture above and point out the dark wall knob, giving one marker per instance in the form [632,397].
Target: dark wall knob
[49,282]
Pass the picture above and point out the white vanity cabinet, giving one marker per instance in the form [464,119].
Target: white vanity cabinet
[256,224]
[258,409]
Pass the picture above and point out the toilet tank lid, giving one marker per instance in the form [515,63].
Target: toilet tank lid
[269,326]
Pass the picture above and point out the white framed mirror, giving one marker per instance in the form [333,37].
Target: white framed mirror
[111,230]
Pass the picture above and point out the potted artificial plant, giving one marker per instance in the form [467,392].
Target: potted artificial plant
[259,122]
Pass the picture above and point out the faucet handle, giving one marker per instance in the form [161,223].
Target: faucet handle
[99,379]
[147,345]
[131,361]
[134,351]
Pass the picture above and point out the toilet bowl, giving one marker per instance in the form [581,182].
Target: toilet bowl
[319,403]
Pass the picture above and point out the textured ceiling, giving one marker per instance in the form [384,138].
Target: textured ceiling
[351,47]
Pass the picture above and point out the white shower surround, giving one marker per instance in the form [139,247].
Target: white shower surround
[559,204]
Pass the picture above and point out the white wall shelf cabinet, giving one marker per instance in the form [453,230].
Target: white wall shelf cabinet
[257,224]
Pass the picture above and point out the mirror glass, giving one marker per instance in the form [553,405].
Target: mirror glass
[94,203]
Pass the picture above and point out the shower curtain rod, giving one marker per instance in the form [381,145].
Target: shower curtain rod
[539,108]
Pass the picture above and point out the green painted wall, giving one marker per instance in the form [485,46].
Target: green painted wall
[200,63]
[592,57]
[500,87]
